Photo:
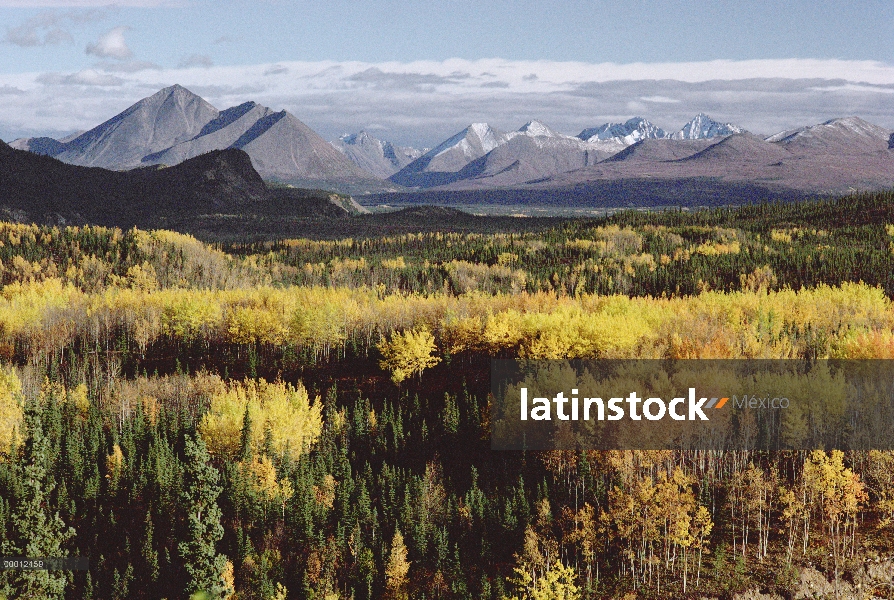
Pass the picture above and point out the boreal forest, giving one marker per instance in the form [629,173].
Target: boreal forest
[309,418]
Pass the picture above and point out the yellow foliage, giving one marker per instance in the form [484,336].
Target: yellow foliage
[781,235]
[190,314]
[115,462]
[408,353]
[77,396]
[12,414]
[278,410]
[325,492]
[262,475]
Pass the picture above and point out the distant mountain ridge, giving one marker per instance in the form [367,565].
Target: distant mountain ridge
[381,158]
[837,156]
[175,124]
[481,155]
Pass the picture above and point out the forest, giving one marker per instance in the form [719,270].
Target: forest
[310,418]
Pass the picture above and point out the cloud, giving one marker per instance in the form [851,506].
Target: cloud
[84,3]
[49,28]
[9,90]
[225,39]
[276,70]
[88,77]
[195,60]
[376,77]
[128,66]
[852,87]
[422,103]
[659,99]
[111,45]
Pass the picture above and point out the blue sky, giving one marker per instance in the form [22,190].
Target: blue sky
[415,72]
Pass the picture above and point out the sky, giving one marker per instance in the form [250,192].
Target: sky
[416,72]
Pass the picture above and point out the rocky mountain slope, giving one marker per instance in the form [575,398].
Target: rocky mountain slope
[379,157]
[174,125]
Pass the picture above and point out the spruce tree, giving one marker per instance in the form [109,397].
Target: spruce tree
[37,530]
[199,553]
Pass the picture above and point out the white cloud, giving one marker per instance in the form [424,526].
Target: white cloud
[49,27]
[85,77]
[196,60]
[128,66]
[659,99]
[83,3]
[111,45]
[852,87]
[421,103]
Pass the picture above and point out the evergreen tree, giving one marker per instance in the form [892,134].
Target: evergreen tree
[37,531]
[201,489]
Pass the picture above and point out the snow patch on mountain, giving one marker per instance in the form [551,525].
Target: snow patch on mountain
[704,127]
[627,133]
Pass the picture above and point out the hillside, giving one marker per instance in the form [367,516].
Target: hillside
[35,188]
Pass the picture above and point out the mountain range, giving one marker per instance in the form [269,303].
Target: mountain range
[174,125]
[381,158]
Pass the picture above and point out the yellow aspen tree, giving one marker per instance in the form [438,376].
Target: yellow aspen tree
[396,570]
[879,472]
[12,415]
[408,353]
[558,583]
[702,524]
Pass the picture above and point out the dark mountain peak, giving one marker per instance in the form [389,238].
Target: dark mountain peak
[891,142]
[46,188]
[222,178]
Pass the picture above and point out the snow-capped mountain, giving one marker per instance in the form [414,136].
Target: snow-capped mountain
[379,157]
[535,129]
[480,152]
[704,127]
[836,135]
[627,133]
[440,164]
